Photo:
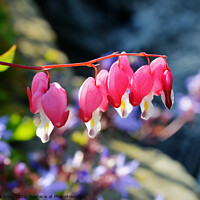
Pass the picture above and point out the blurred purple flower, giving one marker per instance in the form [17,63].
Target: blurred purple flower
[12,184]
[99,197]
[104,155]
[185,103]
[159,197]
[193,85]
[124,173]
[57,147]
[187,106]
[35,158]
[20,170]
[106,64]
[84,177]
[74,165]
[5,134]
[5,148]
[135,61]
[48,183]
[129,124]
[116,174]
[4,119]
[57,186]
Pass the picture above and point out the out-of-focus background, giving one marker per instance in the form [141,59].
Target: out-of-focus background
[67,31]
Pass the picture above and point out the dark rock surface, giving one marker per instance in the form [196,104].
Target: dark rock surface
[86,29]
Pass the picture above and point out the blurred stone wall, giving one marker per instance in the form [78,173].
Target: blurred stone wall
[86,29]
[35,38]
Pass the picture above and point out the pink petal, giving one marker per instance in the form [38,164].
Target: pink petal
[124,65]
[30,98]
[142,85]
[40,82]
[118,83]
[90,98]
[167,80]
[158,66]
[36,101]
[38,88]
[104,104]
[102,82]
[54,103]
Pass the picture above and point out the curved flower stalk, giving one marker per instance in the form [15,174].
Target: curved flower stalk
[50,102]
[148,81]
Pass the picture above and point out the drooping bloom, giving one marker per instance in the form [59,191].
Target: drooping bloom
[50,102]
[140,91]
[119,81]
[163,80]
[92,100]
[148,81]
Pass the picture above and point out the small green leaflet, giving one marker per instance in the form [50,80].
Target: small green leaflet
[8,56]
[25,131]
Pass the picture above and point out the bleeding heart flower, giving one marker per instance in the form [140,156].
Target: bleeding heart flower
[119,81]
[50,103]
[102,82]
[163,80]
[140,91]
[149,81]
[142,84]
[90,99]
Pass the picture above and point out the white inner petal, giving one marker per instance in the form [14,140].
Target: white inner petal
[147,106]
[94,125]
[125,107]
[45,128]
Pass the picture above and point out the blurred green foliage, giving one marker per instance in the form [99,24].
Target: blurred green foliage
[23,128]
[8,56]
[7,36]
[12,91]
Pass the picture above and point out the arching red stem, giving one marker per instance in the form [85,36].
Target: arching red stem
[88,63]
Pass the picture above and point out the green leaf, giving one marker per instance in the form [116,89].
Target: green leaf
[25,130]
[8,56]
[15,119]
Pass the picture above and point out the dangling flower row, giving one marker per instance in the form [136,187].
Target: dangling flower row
[120,87]
[123,89]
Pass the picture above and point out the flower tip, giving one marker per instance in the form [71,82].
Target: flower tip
[168,103]
[112,103]
[29,98]
[82,116]
[168,98]
[91,133]
[131,100]
[64,120]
